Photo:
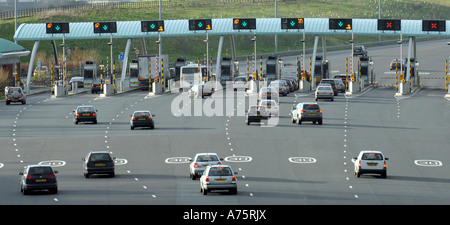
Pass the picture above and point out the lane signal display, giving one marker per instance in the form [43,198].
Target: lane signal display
[57,28]
[292,23]
[244,24]
[105,27]
[340,24]
[200,24]
[389,24]
[433,25]
[152,26]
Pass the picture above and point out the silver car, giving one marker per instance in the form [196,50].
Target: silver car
[370,162]
[200,162]
[271,106]
[307,111]
[218,177]
[324,92]
[280,86]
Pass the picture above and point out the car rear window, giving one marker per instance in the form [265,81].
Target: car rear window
[86,109]
[324,88]
[207,158]
[220,171]
[40,170]
[141,114]
[372,156]
[96,157]
[311,107]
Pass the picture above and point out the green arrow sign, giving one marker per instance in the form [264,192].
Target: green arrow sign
[340,23]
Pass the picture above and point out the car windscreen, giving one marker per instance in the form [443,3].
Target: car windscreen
[372,156]
[240,79]
[220,171]
[207,158]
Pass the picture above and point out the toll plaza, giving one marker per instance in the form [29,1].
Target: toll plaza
[405,30]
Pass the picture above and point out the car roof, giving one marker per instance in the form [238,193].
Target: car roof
[220,165]
[206,153]
[307,103]
[38,165]
[138,111]
[85,106]
[99,151]
[371,151]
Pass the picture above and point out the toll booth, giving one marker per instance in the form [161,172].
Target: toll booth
[226,70]
[89,72]
[321,69]
[178,64]
[272,68]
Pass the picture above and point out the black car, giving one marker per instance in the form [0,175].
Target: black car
[96,87]
[85,113]
[142,119]
[257,114]
[360,50]
[98,162]
[38,177]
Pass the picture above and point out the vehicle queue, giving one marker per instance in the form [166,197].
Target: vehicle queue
[208,167]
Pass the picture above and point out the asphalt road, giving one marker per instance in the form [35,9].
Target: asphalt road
[287,164]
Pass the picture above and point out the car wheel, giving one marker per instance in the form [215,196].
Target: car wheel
[299,121]
[293,120]
[332,99]
[320,122]
[76,122]
[205,192]
[95,121]
[194,177]
[7,102]
[54,191]
[384,174]
[86,175]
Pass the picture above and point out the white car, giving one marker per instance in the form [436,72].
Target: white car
[271,106]
[218,177]
[370,162]
[200,162]
[240,83]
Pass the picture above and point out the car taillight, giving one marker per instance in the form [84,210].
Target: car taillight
[134,118]
[195,165]
[78,114]
[94,114]
[52,175]
[384,166]
[234,178]
[29,177]
[207,179]
[319,111]
[302,111]
[331,92]
[317,92]
[149,117]
[359,164]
